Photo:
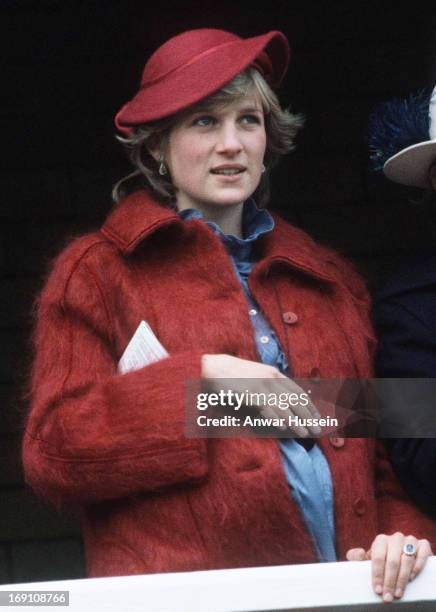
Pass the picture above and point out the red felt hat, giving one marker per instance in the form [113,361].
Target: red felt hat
[197,63]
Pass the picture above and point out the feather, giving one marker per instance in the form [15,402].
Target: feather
[398,124]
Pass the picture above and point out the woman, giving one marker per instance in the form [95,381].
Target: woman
[230,292]
[403,142]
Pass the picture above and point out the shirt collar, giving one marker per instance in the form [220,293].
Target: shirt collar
[139,215]
[255,223]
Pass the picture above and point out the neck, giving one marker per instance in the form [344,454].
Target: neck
[228,218]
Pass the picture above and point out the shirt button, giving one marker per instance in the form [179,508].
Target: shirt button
[252,312]
[290,317]
[264,339]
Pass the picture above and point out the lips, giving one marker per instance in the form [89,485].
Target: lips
[228,169]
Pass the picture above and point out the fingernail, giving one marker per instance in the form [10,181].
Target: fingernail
[398,593]
[387,597]
[379,589]
[412,577]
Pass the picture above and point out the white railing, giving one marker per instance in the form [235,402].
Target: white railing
[325,587]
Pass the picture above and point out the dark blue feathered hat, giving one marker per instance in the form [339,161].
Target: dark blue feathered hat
[402,138]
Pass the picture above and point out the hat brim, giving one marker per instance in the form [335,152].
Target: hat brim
[193,82]
[411,165]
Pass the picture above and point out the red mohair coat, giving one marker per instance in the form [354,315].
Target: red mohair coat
[151,499]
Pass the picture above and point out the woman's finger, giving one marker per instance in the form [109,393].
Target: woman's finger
[356,554]
[296,407]
[268,412]
[392,565]
[407,563]
[423,553]
[378,558]
[273,412]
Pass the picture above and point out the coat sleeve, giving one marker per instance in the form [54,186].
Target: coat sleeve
[407,349]
[353,281]
[358,296]
[396,510]
[407,346]
[92,434]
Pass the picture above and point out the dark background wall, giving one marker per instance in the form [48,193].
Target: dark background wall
[69,67]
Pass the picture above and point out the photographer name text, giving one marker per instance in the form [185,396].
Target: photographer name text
[251,421]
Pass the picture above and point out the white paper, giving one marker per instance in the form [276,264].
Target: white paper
[144,348]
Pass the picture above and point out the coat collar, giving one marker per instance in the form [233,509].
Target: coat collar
[139,215]
[290,246]
[134,219]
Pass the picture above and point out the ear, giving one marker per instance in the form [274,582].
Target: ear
[156,153]
[156,147]
[432,176]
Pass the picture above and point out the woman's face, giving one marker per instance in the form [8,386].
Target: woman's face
[215,155]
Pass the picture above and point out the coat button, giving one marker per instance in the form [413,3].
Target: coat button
[359,506]
[337,442]
[290,317]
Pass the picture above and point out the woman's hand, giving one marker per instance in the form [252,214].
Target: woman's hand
[392,568]
[269,381]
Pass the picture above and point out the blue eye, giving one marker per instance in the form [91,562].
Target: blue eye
[204,121]
[251,119]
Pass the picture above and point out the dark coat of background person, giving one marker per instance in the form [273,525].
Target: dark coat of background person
[405,319]
[70,66]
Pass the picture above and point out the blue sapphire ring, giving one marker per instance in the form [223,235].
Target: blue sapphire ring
[409,550]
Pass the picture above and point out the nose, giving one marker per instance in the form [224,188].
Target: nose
[228,142]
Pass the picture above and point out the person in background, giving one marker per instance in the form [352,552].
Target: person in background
[403,143]
[230,291]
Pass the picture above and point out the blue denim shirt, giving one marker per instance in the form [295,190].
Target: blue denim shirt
[307,471]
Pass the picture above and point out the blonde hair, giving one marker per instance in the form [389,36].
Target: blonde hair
[281,127]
